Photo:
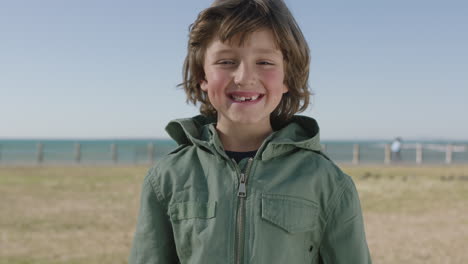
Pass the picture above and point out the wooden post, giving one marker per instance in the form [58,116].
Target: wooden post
[114,152]
[388,154]
[135,155]
[78,152]
[448,154]
[419,153]
[150,152]
[40,153]
[356,154]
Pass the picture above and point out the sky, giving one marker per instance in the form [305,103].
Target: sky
[92,69]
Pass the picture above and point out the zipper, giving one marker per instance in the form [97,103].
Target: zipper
[240,221]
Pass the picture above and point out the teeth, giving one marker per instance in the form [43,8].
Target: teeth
[243,99]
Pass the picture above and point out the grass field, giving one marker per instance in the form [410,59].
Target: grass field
[88,214]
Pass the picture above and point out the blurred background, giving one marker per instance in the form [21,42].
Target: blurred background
[94,83]
[88,71]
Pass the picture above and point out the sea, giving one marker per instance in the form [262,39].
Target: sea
[148,151]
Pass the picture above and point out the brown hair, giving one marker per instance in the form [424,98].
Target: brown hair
[228,18]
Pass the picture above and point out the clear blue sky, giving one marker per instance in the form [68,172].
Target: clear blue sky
[109,68]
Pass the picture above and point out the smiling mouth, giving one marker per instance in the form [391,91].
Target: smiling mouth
[243,99]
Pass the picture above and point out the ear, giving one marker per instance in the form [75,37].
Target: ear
[285,88]
[204,85]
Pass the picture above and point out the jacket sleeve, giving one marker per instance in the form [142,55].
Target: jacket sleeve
[344,238]
[153,242]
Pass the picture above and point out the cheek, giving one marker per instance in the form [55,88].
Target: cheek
[216,78]
[217,81]
[273,78]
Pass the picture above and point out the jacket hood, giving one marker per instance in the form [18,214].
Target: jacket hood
[300,132]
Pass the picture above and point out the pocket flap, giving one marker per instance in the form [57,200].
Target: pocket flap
[293,214]
[187,210]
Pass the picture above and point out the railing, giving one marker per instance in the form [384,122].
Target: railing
[82,153]
[147,153]
[415,153]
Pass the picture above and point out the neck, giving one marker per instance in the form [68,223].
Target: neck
[243,138]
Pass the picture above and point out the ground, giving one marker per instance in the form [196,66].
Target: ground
[87,215]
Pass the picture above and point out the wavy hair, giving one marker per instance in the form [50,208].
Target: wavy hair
[228,18]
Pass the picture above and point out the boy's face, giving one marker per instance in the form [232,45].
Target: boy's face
[244,83]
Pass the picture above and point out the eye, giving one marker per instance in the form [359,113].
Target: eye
[226,62]
[265,63]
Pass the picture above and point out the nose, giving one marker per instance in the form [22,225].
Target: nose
[245,75]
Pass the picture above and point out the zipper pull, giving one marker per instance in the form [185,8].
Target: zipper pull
[242,190]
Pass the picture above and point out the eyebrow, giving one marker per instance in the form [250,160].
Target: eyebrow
[223,51]
[268,51]
[258,50]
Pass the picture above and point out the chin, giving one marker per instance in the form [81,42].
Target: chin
[247,120]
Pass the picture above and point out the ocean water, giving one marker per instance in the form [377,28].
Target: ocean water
[127,151]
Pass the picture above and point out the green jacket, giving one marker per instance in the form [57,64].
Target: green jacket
[288,205]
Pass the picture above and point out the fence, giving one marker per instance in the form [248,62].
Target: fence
[415,153]
[88,152]
[142,152]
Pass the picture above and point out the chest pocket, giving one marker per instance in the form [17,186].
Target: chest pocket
[191,222]
[290,223]
[189,210]
[292,214]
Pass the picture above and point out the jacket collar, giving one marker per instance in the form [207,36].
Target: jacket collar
[300,132]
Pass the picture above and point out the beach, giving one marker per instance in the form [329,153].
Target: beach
[87,214]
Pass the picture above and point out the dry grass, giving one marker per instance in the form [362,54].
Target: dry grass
[68,215]
[415,214]
[87,214]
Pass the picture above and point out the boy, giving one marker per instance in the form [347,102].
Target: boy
[248,182]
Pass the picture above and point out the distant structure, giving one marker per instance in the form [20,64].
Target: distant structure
[396,149]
